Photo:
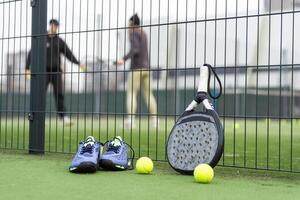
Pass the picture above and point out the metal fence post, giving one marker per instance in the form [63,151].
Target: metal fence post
[38,77]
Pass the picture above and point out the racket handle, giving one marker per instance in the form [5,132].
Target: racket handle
[202,90]
[203,81]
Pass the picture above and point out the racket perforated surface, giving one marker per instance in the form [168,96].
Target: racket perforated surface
[197,137]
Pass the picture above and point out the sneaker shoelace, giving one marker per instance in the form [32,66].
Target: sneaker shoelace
[113,147]
[87,149]
[88,146]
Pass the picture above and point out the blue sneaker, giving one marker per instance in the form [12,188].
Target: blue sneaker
[116,155]
[86,159]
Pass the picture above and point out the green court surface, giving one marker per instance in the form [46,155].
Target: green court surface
[46,177]
[250,143]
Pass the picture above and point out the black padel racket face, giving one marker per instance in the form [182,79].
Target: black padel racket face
[197,137]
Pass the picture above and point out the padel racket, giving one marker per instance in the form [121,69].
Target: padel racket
[198,136]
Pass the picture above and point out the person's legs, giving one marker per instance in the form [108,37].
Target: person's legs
[133,83]
[149,97]
[58,93]
[48,80]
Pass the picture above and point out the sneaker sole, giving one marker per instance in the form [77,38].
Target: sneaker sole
[85,167]
[109,165]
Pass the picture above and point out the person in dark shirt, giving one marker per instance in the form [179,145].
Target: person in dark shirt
[55,47]
[139,77]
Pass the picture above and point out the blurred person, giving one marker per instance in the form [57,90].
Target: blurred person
[139,75]
[55,47]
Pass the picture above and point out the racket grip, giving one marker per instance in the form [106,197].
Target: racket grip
[203,80]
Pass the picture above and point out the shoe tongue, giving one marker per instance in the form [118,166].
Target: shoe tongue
[89,141]
[116,141]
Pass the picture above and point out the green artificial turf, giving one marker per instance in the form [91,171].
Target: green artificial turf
[249,143]
[46,177]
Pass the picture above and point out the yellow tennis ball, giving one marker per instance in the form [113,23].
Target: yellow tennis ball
[144,165]
[203,173]
[237,125]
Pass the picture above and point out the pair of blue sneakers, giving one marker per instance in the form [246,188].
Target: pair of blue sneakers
[89,156]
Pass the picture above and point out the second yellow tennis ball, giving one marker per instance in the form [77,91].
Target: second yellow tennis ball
[203,173]
[144,165]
